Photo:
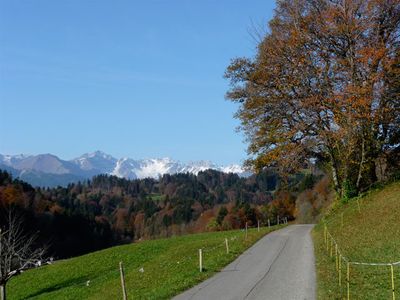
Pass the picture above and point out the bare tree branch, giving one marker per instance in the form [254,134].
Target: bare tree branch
[17,251]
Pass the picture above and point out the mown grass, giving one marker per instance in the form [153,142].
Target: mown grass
[170,266]
[369,234]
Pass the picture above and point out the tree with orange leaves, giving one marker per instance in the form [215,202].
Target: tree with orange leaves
[323,86]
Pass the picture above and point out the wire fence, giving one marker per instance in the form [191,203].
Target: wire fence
[229,244]
[370,277]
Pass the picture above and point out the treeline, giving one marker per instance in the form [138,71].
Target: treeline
[108,210]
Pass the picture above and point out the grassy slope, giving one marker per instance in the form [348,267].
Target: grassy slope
[170,266]
[372,235]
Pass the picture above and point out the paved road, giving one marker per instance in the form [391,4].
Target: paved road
[279,266]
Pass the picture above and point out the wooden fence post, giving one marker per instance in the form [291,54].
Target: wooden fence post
[201,260]
[121,272]
[340,269]
[227,246]
[336,258]
[348,281]
[327,242]
[391,269]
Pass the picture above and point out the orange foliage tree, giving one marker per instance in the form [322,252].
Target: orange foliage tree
[323,85]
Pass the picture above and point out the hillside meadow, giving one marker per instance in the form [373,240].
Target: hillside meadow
[367,230]
[155,269]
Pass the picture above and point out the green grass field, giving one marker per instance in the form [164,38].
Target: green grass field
[370,234]
[170,266]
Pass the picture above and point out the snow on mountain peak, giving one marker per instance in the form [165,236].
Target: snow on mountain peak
[98,162]
[233,169]
[98,154]
[9,160]
[156,167]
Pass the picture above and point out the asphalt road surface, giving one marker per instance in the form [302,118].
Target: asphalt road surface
[279,266]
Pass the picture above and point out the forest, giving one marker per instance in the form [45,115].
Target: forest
[108,210]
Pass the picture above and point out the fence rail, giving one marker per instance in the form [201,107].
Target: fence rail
[202,252]
[333,250]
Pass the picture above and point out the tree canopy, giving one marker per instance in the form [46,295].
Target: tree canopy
[324,85]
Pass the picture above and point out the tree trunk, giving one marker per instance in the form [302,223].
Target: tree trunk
[3,291]
[360,169]
[335,178]
[334,170]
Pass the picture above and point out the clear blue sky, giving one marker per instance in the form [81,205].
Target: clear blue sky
[131,78]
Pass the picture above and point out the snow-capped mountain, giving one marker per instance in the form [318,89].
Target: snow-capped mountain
[237,169]
[46,163]
[198,166]
[155,168]
[12,159]
[130,168]
[34,168]
[97,160]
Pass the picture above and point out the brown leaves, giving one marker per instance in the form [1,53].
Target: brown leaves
[318,79]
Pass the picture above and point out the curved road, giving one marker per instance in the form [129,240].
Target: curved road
[279,266]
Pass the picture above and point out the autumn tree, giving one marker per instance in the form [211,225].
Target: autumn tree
[221,214]
[323,86]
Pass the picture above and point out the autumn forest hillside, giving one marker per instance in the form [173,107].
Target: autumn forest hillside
[108,210]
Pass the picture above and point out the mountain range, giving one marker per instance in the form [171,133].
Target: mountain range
[48,170]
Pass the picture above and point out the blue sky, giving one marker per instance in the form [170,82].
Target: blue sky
[131,78]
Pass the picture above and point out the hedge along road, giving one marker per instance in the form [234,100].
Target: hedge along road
[279,266]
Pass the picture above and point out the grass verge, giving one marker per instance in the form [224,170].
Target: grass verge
[366,230]
[169,267]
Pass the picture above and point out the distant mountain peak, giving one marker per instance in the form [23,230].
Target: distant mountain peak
[97,153]
[5,158]
[99,162]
